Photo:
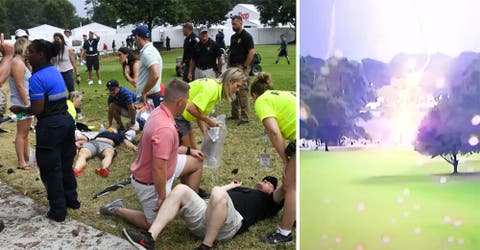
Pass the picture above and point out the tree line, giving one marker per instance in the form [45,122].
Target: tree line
[26,14]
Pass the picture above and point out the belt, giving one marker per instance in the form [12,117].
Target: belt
[92,55]
[143,183]
[154,94]
[204,68]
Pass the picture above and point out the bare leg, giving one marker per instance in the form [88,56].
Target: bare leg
[98,75]
[107,157]
[192,173]
[90,77]
[82,158]
[135,217]
[21,142]
[179,196]
[289,186]
[186,140]
[216,214]
[115,112]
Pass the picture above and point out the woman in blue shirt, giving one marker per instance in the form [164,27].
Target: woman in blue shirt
[55,129]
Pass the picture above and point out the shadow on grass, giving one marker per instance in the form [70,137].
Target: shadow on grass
[403,179]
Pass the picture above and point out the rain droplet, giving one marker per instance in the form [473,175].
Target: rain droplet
[457,223]
[326,202]
[360,207]
[443,180]
[338,240]
[475,120]
[400,200]
[447,219]
[450,239]
[460,241]
[473,141]
[393,220]
[417,230]
[385,239]
[406,192]
[406,215]
[324,237]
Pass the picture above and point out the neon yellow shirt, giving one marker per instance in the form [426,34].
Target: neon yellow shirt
[280,105]
[71,109]
[204,93]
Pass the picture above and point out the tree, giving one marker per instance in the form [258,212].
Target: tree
[60,13]
[104,15]
[207,12]
[275,12]
[4,24]
[447,130]
[149,12]
[23,14]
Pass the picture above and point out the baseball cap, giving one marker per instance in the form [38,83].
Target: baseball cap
[142,31]
[20,33]
[112,84]
[203,28]
[272,180]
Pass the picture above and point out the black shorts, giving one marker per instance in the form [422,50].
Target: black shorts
[92,61]
[283,53]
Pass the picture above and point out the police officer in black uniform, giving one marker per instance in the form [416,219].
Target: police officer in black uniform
[204,58]
[241,56]
[188,45]
[55,136]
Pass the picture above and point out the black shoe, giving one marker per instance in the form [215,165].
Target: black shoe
[74,205]
[142,240]
[276,238]
[121,129]
[242,122]
[203,247]
[203,194]
[55,218]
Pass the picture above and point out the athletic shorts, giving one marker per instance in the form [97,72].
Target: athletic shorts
[183,125]
[194,214]
[92,61]
[147,194]
[97,147]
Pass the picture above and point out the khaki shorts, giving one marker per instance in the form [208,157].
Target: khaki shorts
[194,214]
[97,147]
[147,195]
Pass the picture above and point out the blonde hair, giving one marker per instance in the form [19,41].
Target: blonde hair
[74,95]
[261,83]
[20,46]
[229,76]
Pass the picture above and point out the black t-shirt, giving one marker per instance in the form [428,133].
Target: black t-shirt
[90,46]
[205,55]
[240,44]
[253,205]
[115,137]
[188,46]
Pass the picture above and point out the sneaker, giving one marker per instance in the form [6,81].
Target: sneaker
[203,247]
[103,172]
[276,238]
[142,240]
[52,217]
[110,208]
[90,82]
[242,122]
[78,171]
[100,82]
[121,129]
[74,204]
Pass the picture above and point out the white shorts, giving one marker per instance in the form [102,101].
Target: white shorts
[194,214]
[147,194]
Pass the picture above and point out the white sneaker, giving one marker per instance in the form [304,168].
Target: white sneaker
[79,116]
[99,81]
[90,82]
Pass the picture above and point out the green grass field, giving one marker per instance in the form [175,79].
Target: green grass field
[242,148]
[387,199]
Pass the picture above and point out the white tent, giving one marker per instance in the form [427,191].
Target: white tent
[249,14]
[107,34]
[44,31]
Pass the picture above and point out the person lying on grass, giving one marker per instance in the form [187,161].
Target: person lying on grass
[103,145]
[231,210]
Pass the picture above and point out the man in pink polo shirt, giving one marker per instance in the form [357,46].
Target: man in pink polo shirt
[160,160]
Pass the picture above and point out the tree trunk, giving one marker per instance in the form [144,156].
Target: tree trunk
[326,147]
[455,164]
